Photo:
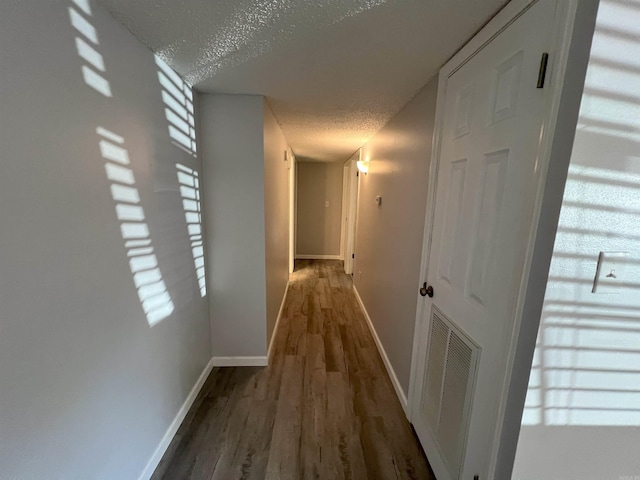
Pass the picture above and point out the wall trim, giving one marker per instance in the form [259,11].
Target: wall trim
[300,256]
[387,363]
[240,361]
[275,328]
[160,450]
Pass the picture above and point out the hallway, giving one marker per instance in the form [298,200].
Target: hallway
[325,407]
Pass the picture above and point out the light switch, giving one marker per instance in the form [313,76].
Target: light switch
[610,272]
[326,204]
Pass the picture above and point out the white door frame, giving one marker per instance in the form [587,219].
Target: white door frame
[569,49]
[352,213]
[293,178]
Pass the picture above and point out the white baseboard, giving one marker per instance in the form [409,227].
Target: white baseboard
[392,374]
[275,328]
[153,462]
[300,256]
[240,361]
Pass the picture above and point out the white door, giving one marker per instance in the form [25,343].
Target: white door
[352,214]
[486,184]
[344,210]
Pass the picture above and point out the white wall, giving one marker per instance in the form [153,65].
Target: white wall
[582,414]
[87,387]
[389,237]
[276,211]
[234,175]
[319,225]
[247,209]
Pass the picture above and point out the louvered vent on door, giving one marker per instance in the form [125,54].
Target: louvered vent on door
[434,371]
[447,390]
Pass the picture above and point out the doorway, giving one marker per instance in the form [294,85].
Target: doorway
[291,164]
[351,211]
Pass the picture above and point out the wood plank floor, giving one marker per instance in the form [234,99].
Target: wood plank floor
[324,409]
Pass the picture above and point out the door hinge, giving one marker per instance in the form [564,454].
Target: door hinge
[357,174]
[544,61]
[353,255]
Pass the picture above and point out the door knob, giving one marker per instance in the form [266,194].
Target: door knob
[426,291]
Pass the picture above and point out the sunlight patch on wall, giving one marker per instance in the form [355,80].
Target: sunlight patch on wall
[152,291]
[190,191]
[143,263]
[88,53]
[178,100]
[610,107]
[586,368]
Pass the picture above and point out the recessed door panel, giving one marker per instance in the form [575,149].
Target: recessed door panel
[489,207]
[452,230]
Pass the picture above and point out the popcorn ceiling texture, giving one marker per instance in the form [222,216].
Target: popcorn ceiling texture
[334,71]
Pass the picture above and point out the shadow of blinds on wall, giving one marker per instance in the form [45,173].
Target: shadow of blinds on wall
[190,191]
[178,101]
[586,369]
[152,291]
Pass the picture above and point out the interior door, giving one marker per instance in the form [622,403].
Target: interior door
[486,184]
[352,213]
[344,214]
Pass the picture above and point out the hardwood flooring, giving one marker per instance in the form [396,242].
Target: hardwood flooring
[324,408]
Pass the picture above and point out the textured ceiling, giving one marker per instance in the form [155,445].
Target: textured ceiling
[333,71]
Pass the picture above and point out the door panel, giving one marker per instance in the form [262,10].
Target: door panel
[487,178]
[450,267]
[485,230]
